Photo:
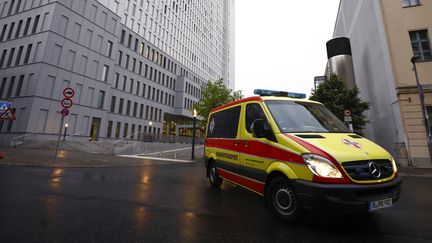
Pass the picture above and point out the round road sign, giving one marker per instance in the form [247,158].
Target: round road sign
[347,112]
[66,103]
[68,93]
[64,112]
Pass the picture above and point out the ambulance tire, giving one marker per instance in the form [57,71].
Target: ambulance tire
[215,180]
[282,201]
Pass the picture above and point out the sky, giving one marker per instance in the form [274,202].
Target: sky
[280,44]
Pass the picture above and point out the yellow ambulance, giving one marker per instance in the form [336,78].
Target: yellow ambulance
[298,155]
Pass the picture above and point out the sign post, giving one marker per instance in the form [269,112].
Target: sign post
[348,119]
[58,140]
[6,113]
[66,103]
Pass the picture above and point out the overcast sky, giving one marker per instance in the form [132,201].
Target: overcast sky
[280,44]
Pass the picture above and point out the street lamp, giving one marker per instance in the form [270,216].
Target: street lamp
[425,115]
[64,134]
[149,134]
[193,133]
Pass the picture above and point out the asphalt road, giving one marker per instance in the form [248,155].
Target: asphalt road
[172,202]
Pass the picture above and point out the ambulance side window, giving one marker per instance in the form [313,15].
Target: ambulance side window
[224,124]
[253,111]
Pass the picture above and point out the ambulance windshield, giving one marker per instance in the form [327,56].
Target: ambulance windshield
[304,117]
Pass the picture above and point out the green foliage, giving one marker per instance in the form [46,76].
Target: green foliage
[337,98]
[215,94]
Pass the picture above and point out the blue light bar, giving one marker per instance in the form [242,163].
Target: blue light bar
[266,92]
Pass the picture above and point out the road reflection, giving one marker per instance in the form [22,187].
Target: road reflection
[56,178]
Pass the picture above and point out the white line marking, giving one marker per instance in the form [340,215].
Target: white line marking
[136,156]
[176,150]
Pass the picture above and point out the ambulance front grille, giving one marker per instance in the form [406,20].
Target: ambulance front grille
[360,171]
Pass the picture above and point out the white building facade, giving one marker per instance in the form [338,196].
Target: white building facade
[137,66]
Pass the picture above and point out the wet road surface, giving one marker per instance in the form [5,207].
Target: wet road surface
[173,202]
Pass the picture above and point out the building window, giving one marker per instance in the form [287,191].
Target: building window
[109,128]
[120,55]
[109,48]
[120,111]
[105,72]
[410,3]
[420,44]
[116,80]
[117,131]
[125,130]
[113,103]
[128,107]
[101,99]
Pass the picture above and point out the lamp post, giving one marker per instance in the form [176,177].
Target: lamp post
[149,132]
[64,134]
[425,115]
[193,133]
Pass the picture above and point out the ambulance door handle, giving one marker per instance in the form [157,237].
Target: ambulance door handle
[236,143]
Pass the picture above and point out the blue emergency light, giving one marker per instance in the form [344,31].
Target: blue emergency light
[266,92]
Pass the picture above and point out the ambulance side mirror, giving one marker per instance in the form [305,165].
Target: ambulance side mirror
[261,129]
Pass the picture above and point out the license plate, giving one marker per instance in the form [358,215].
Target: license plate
[384,203]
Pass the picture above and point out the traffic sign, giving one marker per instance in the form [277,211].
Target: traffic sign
[64,112]
[66,103]
[4,105]
[347,112]
[7,115]
[68,93]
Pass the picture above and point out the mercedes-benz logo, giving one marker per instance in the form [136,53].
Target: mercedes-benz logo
[374,169]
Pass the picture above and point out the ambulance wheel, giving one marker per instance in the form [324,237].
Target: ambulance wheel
[215,180]
[282,201]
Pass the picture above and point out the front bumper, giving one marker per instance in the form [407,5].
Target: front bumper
[344,197]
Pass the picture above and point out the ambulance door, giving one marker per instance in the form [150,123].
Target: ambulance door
[223,139]
[254,155]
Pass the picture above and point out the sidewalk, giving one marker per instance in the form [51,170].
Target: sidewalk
[39,157]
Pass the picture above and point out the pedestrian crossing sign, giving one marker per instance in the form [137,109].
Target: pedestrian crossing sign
[4,106]
[7,115]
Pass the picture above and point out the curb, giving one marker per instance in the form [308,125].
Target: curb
[415,175]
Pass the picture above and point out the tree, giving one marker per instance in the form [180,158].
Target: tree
[215,94]
[333,94]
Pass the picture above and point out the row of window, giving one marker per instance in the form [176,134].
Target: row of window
[188,104]
[68,60]
[91,12]
[151,113]
[13,30]
[148,52]
[148,73]
[145,91]
[16,6]
[12,87]
[192,90]
[88,38]
[15,56]
[152,55]
[133,134]
[182,36]
[83,96]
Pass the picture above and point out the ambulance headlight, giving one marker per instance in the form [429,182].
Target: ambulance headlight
[394,165]
[321,166]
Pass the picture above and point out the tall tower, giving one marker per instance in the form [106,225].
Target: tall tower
[137,66]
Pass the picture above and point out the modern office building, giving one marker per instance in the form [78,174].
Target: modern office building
[385,35]
[135,65]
